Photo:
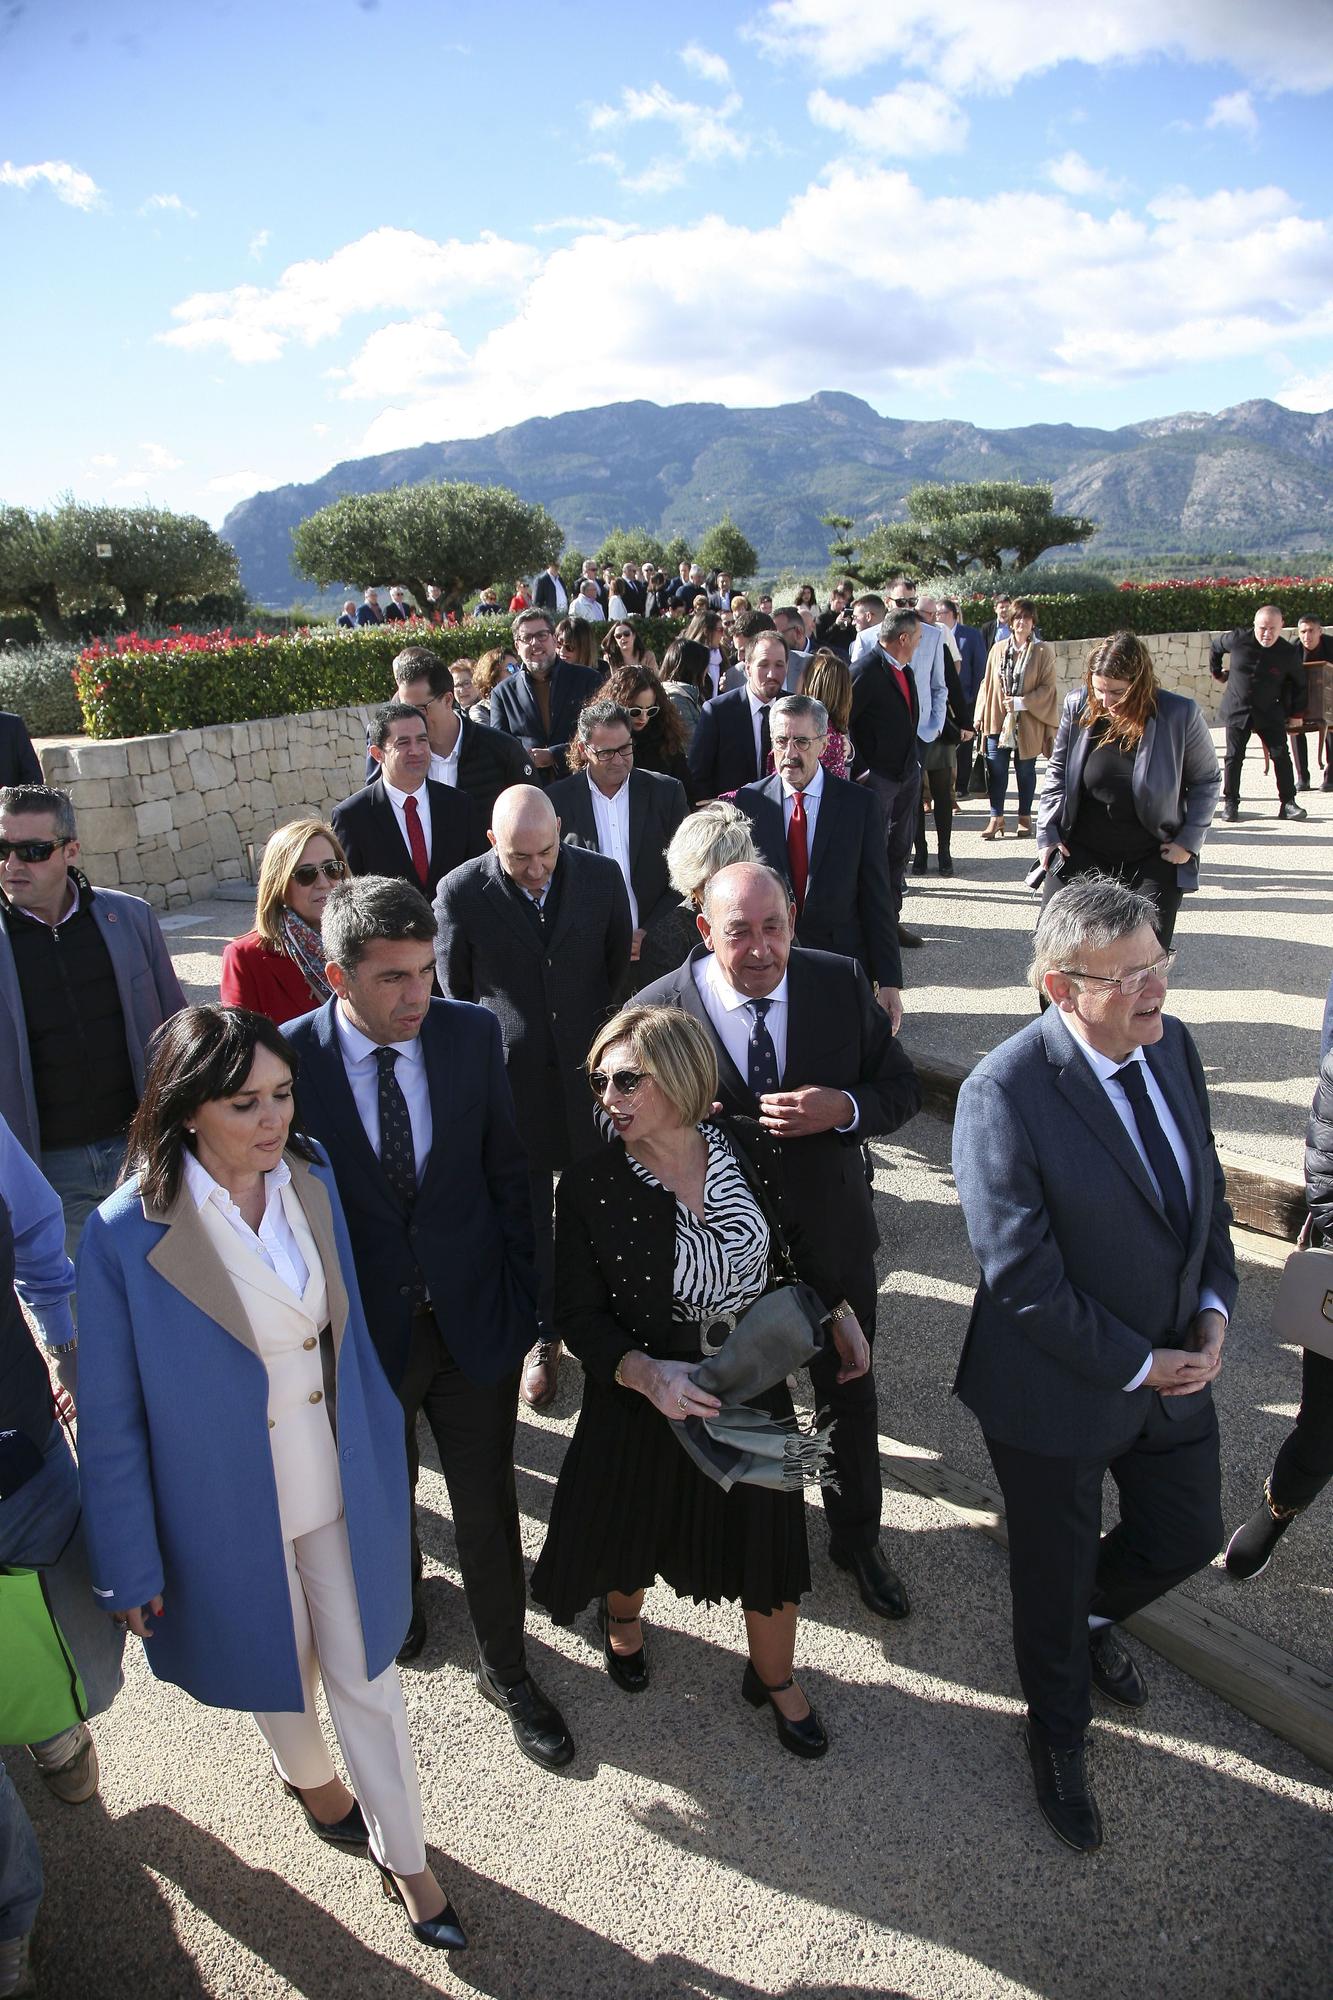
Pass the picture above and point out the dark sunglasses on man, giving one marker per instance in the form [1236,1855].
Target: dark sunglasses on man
[307,873]
[30,850]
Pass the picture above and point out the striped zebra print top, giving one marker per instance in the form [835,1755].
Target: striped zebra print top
[721,1261]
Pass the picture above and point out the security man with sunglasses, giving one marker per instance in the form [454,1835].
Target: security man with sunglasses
[85,978]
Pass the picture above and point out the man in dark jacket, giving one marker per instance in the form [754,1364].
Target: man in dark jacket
[540,703]
[467,755]
[19,762]
[1265,690]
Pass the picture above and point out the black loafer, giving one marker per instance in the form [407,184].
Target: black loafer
[880,1585]
[627,1670]
[909,939]
[538,1726]
[416,1634]
[1114,1673]
[805,1738]
[1230,813]
[349,1832]
[1066,1803]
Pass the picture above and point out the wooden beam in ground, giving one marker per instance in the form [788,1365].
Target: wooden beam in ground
[1284,1693]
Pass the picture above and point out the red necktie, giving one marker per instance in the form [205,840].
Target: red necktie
[416,840]
[900,676]
[798,852]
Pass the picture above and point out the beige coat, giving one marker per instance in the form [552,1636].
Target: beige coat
[1035,723]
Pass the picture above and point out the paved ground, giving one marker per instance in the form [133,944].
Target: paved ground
[683,1853]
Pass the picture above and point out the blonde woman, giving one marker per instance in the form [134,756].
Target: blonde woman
[277,969]
[1018,707]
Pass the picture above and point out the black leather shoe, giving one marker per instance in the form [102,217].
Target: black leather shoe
[1230,812]
[443,1931]
[350,1832]
[946,864]
[1066,1803]
[1292,811]
[627,1670]
[920,865]
[805,1738]
[416,1634]
[1114,1673]
[909,939]
[880,1585]
[539,1728]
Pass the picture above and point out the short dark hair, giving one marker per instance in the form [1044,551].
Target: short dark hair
[534,615]
[751,624]
[601,715]
[1024,604]
[366,907]
[873,600]
[42,799]
[951,604]
[1309,618]
[384,719]
[198,1056]
[893,627]
[419,663]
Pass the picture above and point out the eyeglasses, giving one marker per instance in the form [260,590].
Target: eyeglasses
[609,756]
[30,850]
[626,1081]
[642,713]
[307,873]
[801,743]
[1131,982]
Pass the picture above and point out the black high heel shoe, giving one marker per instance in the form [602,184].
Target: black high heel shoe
[627,1670]
[443,1931]
[805,1738]
[350,1832]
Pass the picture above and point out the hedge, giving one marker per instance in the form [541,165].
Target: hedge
[37,683]
[1212,604]
[138,687]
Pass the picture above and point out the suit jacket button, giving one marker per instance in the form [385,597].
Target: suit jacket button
[316,1395]
[404,1291]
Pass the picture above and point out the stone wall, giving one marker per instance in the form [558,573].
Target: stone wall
[1181,660]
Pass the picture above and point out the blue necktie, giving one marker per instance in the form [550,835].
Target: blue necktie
[1165,1166]
[397,1152]
[763,1075]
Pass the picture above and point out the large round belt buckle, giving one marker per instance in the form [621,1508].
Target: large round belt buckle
[714,1332]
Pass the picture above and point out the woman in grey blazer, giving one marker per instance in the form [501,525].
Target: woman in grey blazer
[1132,782]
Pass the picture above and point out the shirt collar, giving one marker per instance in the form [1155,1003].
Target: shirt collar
[396,797]
[203,1187]
[728,997]
[1104,1067]
[32,916]
[621,791]
[358,1048]
[811,791]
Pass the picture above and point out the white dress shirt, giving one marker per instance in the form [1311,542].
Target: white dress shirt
[398,801]
[611,818]
[561,596]
[1104,1069]
[359,1060]
[811,796]
[444,770]
[274,1240]
[732,1018]
[758,710]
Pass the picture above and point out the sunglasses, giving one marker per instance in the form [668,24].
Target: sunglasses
[30,850]
[307,873]
[626,1081]
[636,712]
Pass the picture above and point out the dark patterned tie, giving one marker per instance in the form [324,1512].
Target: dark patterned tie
[397,1153]
[763,1075]
[1162,1160]
[765,745]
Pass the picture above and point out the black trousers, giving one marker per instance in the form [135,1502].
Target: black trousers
[473,1425]
[1304,1464]
[852,1510]
[1062,1569]
[1271,729]
[542,1186]
[899,798]
[964,767]
[1300,750]
[940,786]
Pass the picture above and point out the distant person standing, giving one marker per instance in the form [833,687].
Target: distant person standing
[549,593]
[1264,683]
[971,646]
[368,611]
[397,610]
[19,762]
[1017,712]
[1317,646]
[347,617]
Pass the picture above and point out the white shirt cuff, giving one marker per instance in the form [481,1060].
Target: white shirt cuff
[1210,1303]
[1138,1381]
[856,1114]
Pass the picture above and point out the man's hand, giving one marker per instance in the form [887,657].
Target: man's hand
[636,944]
[799,1114]
[891,1000]
[1048,854]
[1177,1371]
[1207,1332]
[543,759]
[852,1345]
[1173,852]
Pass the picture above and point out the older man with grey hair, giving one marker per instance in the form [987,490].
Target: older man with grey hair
[1086,1132]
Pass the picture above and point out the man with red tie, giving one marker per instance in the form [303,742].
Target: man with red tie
[404,824]
[826,837]
[885,713]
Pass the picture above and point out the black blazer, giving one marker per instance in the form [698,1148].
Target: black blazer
[488,763]
[550,992]
[883,726]
[543,593]
[19,762]
[839,1037]
[657,805]
[514,710]
[469,1232]
[371,840]
[722,754]
[848,900]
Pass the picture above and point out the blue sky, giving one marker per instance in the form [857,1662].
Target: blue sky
[262,238]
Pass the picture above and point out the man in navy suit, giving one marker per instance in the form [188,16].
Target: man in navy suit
[885,717]
[730,744]
[549,593]
[1097,1210]
[406,823]
[540,704]
[368,611]
[408,1097]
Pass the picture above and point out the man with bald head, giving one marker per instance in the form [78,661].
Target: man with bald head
[802,1046]
[540,934]
[1265,690]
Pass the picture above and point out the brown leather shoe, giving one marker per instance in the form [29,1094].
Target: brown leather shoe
[541,1375]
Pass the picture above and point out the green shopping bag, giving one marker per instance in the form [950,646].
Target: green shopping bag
[41,1691]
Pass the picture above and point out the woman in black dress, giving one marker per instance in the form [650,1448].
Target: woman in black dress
[657,1239]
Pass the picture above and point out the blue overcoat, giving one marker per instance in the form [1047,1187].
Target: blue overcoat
[178,1483]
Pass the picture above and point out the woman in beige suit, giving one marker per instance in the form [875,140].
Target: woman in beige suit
[1018,707]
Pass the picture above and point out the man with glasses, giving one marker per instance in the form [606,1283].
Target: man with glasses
[405,824]
[631,815]
[85,978]
[465,755]
[540,704]
[1097,1212]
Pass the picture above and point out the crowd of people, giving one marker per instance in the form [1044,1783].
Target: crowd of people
[572,1028]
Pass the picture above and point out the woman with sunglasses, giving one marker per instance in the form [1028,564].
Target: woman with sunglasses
[659,733]
[576,641]
[622,647]
[277,969]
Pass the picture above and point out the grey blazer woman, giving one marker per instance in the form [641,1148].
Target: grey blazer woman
[1176,778]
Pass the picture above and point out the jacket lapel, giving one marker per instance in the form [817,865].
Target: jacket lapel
[565,908]
[184,1256]
[801,1015]
[1076,1080]
[1080,742]
[830,805]
[503,901]
[440,1084]
[318,1211]
[583,820]
[329,1074]
[638,817]
[1142,764]
[387,833]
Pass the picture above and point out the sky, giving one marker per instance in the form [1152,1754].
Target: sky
[262,238]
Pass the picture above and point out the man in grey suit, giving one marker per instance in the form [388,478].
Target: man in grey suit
[609,807]
[540,934]
[1096,1208]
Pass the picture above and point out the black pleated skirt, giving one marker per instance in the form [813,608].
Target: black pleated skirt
[631,1506]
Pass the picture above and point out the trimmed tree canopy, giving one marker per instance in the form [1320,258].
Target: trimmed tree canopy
[453,534]
[726,548]
[50,565]
[949,528]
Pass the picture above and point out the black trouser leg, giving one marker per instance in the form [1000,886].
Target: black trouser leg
[1304,1465]
[899,798]
[941,795]
[853,1510]
[964,768]
[1170,1487]
[1301,754]
[1238,735]
[542,1186]
[1273,733]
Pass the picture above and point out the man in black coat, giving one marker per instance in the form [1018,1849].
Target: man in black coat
[885,715]
[1265,689]
[465,755]
[540,704]
[408,1097]
[631,815]
[802,1046]
[540,934]
[730,744]
[19,762]
[825,836]
[405,824]
[549,593]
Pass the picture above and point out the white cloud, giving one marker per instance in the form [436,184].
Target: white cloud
[911,122]
[1307,392]
[238,482]
[402,359]
[159,459]
[67,183]
[1072,174]
[1235,113]
[258,244]
[584,225]
[320,430]
[712,68]
[1283,45]
[705,132]
[170,204]
[387,270]
[103,460]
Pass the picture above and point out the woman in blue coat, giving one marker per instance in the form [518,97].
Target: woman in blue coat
[245,1483]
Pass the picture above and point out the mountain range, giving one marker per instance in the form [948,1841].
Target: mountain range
[1253,480]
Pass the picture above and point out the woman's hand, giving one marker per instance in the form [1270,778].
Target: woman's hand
[668,1387]
[136,1619]
[1177,855]
[852,1346]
